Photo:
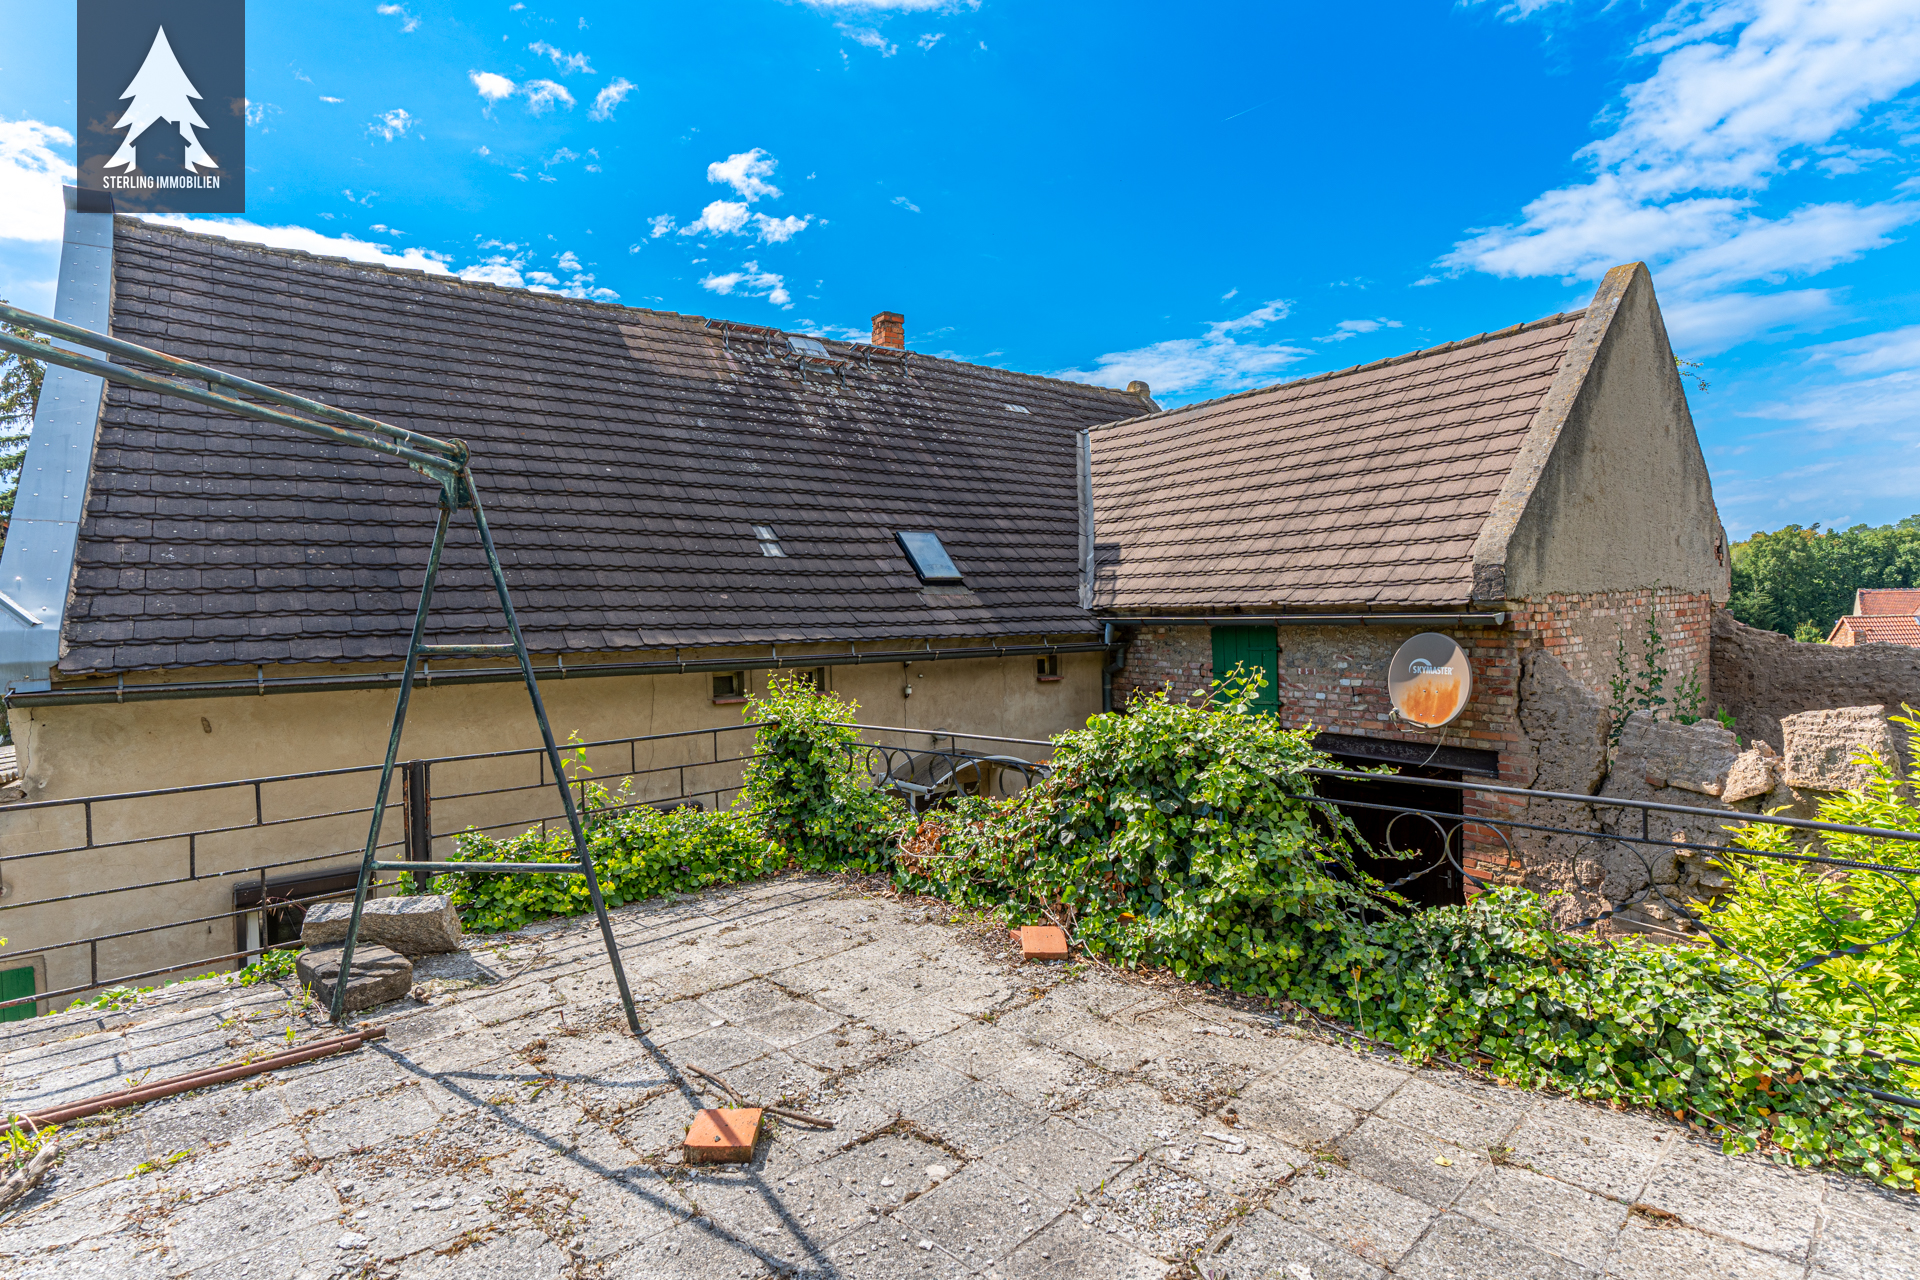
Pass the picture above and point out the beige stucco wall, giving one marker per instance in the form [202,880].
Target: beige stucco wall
[106,748]
[1611,491]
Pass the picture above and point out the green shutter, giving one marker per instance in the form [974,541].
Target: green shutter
[1258,648]
[16,982]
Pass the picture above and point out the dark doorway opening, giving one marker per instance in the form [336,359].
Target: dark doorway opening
[285,901]
[1379,810]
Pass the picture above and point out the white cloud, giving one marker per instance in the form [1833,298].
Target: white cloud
[542,94]
[1741,92]
[391,124]
[497,270]
[325,98]
[1705,326]
[869,38]
[506,267]
[751,282]
[1214,363]
[1895,349]
[31,173]
[395,11]
[662,224]
[747,173]
[492,87]
[731,217]
[306,240]
[906,204]
[931,39]
[1230,294]
[610,97]
[1354,328]
[722,217]
[568,63]
[1258,318]
[780,230]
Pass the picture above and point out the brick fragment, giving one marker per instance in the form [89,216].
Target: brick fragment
[1043,942]
[722,1135]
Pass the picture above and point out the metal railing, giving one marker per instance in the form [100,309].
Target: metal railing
[81,834]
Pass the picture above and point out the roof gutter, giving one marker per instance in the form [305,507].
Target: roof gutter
[261,685]
[1309,619]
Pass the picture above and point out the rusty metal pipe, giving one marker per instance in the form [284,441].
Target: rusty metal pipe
[201,1079]
[454,449]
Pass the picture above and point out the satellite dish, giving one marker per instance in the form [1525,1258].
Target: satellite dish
[1429,680]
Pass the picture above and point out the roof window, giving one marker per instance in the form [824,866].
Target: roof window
[1016,408]
[929,559]
[769,541]
[809,347]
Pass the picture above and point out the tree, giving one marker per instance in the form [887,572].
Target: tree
[19,396]
[161,91]
[1800,581]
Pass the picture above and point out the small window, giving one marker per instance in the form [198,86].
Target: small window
[730,686]
[1049,667]
[814,678]
[929,559]
[769,540]
[809,347]
[1016,408]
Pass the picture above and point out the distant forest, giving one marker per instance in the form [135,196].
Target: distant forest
[1800,581]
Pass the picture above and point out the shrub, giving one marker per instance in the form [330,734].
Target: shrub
[638,853]
[1187,836]
[807,786]
[1171,836]
[1842,941]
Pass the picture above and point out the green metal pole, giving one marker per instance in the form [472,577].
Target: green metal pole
[339,1009]
[553,759]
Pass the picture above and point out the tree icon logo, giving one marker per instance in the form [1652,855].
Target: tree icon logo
[160,105]
[161,91]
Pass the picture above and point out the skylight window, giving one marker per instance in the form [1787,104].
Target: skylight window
[929,559]
[1016,408]
[769,541]
[809,347]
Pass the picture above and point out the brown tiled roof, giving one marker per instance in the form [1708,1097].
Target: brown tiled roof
[1878,628]
[1874,601]
[1363,488]
[624,456]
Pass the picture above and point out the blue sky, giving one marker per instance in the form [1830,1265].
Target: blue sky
[1208,197]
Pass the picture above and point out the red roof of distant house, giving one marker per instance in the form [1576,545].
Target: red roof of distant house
[1877,629]
[1876,601]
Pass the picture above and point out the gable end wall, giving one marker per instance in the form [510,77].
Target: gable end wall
[1611,492]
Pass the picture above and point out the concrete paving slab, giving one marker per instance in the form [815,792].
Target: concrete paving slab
[1264,1245]
[1660,1250]
[1564,1220]
[1066,1109]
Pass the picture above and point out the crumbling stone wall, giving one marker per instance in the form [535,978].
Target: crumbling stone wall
[1763,677]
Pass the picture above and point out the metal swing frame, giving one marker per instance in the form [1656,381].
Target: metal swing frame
[447,464]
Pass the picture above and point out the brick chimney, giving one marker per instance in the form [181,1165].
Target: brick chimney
[890,330]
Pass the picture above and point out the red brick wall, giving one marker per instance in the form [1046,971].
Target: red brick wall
[1334,678]
[1584,630]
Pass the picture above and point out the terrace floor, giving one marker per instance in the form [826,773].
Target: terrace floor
[992,1119]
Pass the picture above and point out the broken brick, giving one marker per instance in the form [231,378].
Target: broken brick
[1043,942]
[723,1135]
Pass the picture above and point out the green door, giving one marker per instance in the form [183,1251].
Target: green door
[16,982]
[1256,648]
